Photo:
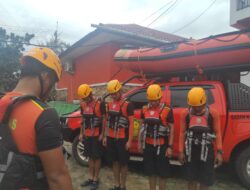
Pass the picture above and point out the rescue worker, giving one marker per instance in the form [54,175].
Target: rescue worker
[35,127]
[119,133]
[200,126]
[156,137]
[92,111]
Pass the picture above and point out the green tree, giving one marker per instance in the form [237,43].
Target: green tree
[57,44]
[11,48]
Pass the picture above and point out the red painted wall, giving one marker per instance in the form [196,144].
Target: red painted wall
[96,66]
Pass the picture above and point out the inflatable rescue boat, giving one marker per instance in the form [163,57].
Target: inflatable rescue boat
[231,50]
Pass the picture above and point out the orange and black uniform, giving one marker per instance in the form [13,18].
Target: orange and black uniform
[200,161]
[156,131]
[118,130]
[35,127]
[92,114]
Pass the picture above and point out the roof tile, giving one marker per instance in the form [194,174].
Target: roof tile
[144,31]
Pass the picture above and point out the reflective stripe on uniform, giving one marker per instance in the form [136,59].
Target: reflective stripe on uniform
[34,102]
[4,167]
[40,175]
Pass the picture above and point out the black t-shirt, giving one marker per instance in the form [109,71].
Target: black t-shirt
[170,117]
[130,109]
[48,129]
[103,108]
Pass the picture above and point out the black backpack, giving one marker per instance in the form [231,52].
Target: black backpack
[17,170]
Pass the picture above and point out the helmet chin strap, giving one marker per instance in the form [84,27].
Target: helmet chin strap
[41,86]
[43,93]
[119,95]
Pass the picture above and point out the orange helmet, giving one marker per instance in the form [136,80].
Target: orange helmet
[46,57]
[196,97]
[154,92]
[113,86]
[84,91]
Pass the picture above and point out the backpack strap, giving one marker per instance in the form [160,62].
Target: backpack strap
[7,138]
[16,100]
[124,102]
[94,108]
[162,106]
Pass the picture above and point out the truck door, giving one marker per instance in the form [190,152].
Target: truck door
[139,99]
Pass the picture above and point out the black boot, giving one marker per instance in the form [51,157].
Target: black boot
[87,183]
[115,188]
[94,185]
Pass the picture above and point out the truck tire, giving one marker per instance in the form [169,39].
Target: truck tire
[242,166]
[78,152]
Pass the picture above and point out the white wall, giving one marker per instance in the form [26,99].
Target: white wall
[237,15]
[245,79]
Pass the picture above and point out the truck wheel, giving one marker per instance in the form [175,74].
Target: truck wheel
[242,166]
[78,151]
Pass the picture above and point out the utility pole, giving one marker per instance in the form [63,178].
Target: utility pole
[56,35]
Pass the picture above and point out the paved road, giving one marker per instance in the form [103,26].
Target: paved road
[226,180]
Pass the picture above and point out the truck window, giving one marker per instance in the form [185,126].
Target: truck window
[179,97]
[139,99]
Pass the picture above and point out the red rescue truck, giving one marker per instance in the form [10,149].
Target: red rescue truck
[225,93]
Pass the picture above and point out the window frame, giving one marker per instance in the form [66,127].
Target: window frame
[242,4]
[142,90]
[183,104]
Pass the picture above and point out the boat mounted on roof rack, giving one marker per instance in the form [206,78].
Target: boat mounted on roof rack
[224,51]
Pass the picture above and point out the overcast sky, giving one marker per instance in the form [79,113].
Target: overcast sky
[75,16]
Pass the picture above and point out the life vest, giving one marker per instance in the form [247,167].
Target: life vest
[154,121]
[155,129]
[199,133]
[199,124]
[20,166]
[92,116]
[118,121]
[23,128]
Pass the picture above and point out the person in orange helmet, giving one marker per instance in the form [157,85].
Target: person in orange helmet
[119,133]
[92,130]
[200,126]
[35,127]
[156,137]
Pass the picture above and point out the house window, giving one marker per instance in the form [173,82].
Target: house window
[242,4]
